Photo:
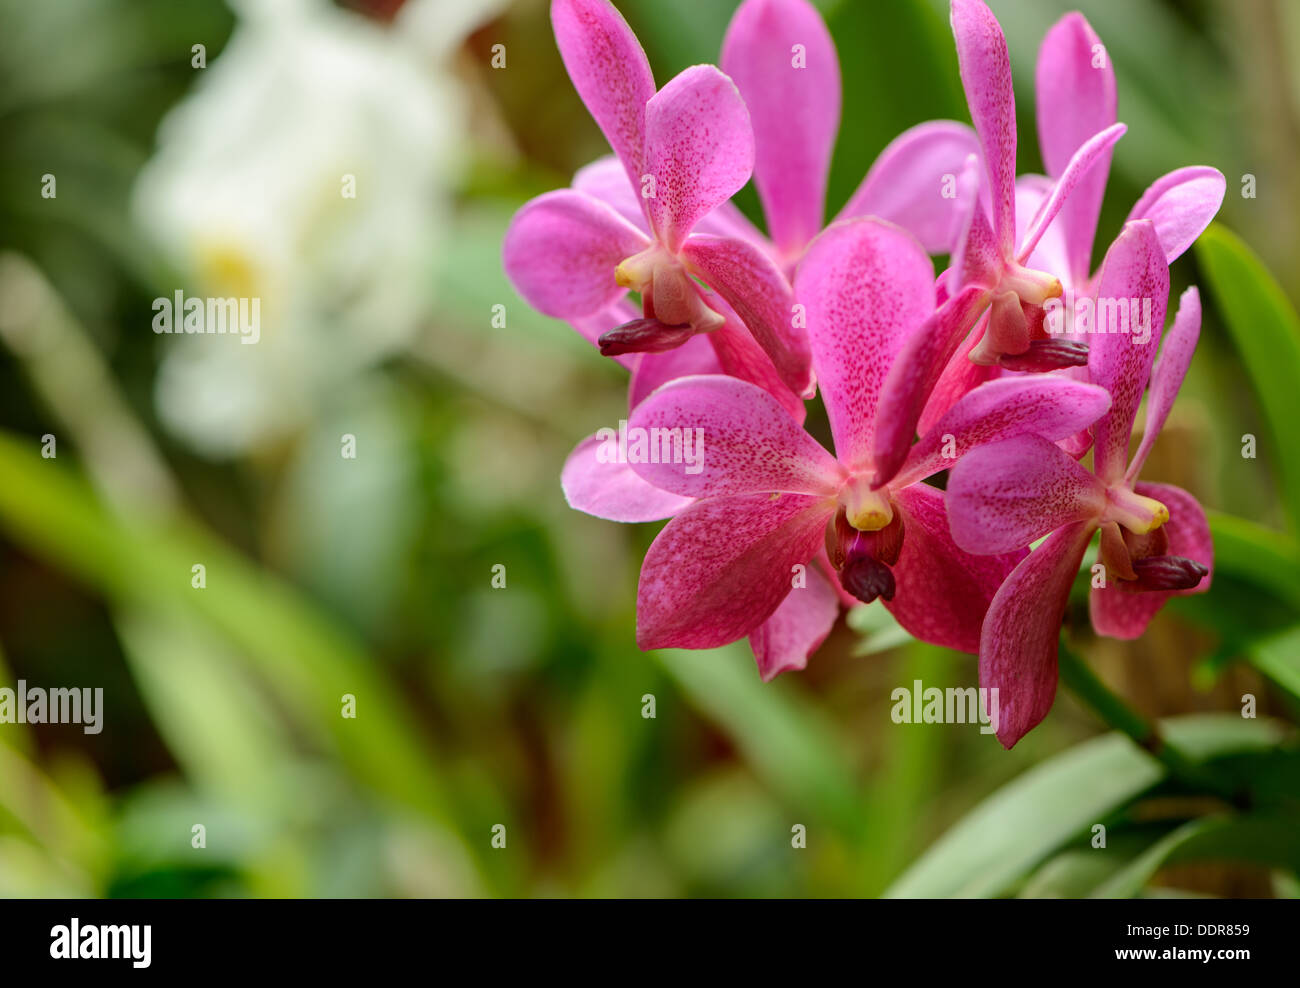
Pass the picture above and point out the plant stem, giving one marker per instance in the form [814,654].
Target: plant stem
[1112,709]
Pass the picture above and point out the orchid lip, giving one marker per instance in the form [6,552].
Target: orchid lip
[1136,512]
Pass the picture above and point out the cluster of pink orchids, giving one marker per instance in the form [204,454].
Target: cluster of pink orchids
[733,330]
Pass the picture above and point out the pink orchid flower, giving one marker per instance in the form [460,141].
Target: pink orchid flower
[688,148]
[783,60]
[769,497]
[1076,102]
[1155,540]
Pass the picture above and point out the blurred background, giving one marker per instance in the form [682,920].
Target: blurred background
[206,147]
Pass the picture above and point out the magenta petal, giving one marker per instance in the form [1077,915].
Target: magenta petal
[866,286]
[1181,204]
[1021,629]
[914,375]
[1043,405]
[1075,98]
[652,370]
[905,184]
[560,252]
[740,440]
[740,356]
[601,486]
[610,72]
[1005,495]
[941,592]
[794,107]
[699,150]
[1052,253]
[751,283]
[986,77]
[724,565]
[1124,614]
[1135,269]
[797,628]
[1167,377]
[958,378]
[1093,151]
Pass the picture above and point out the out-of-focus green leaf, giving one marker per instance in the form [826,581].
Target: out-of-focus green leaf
[1027,820]
[1266,331]
[1268,840]
[1278,657]
[1075,872]
[1260,555]
[785,741]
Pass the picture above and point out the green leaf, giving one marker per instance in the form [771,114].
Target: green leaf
[1037,814]
[785,740]
[1266,331]
[1278,657]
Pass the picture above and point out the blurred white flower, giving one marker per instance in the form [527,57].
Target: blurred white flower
[245,196]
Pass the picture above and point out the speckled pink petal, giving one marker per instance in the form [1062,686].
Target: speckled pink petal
[794,103]
[914,375]
[1094,150]
[723,566]
[1167,377]
[787,640]
[602,486]
[866,286]
[1040,404]
[560,252]
[743,442]
[1124,614]
[1181,204]
[752,284]
[941,593]
[591,327]
[959,377]
[1003,496]
[1052,253]
[1135,269]
[1021,630]
[906,184]
[740,356]
[652,370]
[986,76]
[610,72]
[1075,97]
[699,150]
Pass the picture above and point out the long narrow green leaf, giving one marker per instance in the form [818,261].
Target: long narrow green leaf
[1035,815]
[1266,330]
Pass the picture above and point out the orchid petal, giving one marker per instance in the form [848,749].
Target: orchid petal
[1052,253]
[1167,376]
[1181,204]
[610,71]
[1090,153]
[651,370]
[1135,271]
[740,356]
[866,287]
[1076,98]
[723,566]
[699,150]
[751,283]
[596,483]
[592,327]
[914,375]
[1021,629]
[1007,494]
[795,110]
[797,628]
[1125,614]
[976,258]
[986,77]
[958,378]
[740,439]
[1042,404]
[941,593]
[560,252]
[906,182]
